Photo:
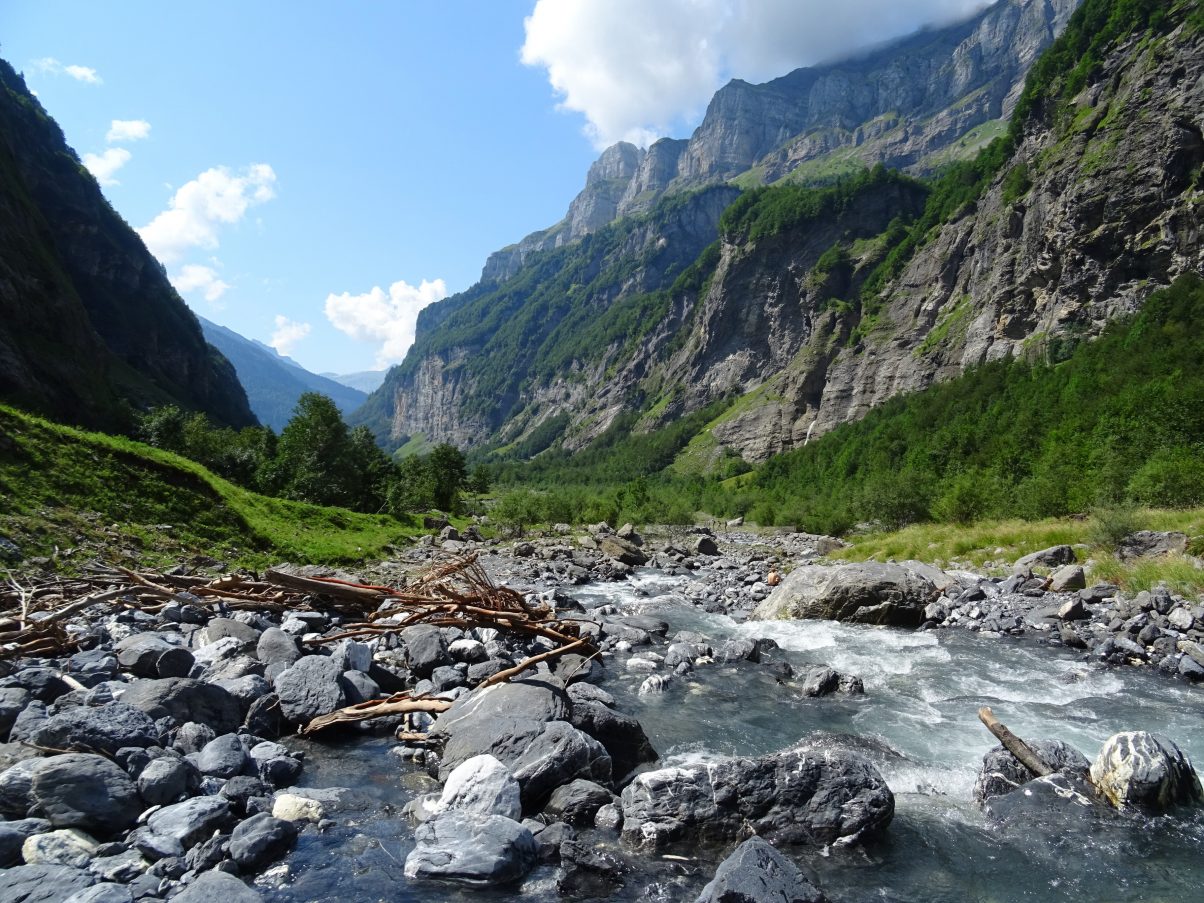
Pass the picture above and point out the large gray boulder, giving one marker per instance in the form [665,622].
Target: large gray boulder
[865,592]
[1151,544]
[622,550]
[622,735]
[80,790]
[426,649]
[1054,556]
[191,821]
[1001,772]
[757,873]
[803,796]
[105,729]
[467,848]
[481,786]
[1142,770]
[311,687]
[261,839]
[216,885]
[185,699]
[42,883]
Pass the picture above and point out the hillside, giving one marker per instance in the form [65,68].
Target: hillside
[816,304]
[89,324]
[274,383]
[70,495]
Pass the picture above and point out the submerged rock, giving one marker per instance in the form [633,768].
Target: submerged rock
[800,795]
[757,873]
[1140,769]
[865,593]
[1001,772]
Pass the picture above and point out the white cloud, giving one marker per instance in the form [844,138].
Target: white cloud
[288,333]
[388,318]
[103,166]
[122,130]
[199,208]
[636,69]
[51,66]
[194,277]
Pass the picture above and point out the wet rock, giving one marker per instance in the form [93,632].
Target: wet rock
[43,883]
[589,872]
[216,885]
[621,735]
[191,821]
[275,764]
[310,688]
[481,785]
[1001,772]
[184,699]
[426,649]
[1142,770]
[578,802]
[291,807]
[550,837]
[826,682]
[1151,543]
[865,592]
[796,796]
[1063,798]
[261,839]
[738,649]
[479,851]
[757,873]
[79,790]
[1055,556]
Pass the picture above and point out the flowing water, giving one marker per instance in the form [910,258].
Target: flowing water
[917,722]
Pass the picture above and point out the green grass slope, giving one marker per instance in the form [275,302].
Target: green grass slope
[62,488]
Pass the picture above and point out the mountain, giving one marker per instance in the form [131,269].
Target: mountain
[915,104]
[273,383]
[365,381]
[90,327]
[592,317]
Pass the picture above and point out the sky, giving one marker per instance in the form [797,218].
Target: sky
[313,174]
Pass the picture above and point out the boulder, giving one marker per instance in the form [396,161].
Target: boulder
[66,846]
[1068,579]
[80,790]
[802,795]
[621,550]
[184,700]
[310,688]
[275,647]
[621,735]
[12,701]
[864,592]
[261,839]
[471,849]
[165,780]
[105,729]
[43,883]
[426,649]
[222,757]
[107,892]
[577,802]
[589,872]
[1054,556]
[152,655]
[1001,772]
[218,885]
[826,682]
[1142,770]
[16,782]
[704,545]
[481,786]
[1151,543]
[191,821]
[757,873]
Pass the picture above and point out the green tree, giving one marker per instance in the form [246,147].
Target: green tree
[449,471]
[314,456]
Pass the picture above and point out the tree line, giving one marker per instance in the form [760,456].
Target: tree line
[318,459]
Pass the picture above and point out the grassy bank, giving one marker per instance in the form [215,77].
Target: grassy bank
[71,495]
[996,544]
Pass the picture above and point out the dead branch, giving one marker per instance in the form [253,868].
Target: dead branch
[397,704]
[531,662]
[1013,744]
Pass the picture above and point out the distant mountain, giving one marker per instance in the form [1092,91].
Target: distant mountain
[273,382]
[90,328]
[365,380]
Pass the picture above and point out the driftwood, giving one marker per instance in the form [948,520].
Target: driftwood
[397,704]
[1013,744]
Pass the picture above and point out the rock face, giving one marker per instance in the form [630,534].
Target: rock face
[797,796]
[863,593]
[1141,770]
[757,873]
[71,268]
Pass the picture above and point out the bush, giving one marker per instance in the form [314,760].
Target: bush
[1110,524]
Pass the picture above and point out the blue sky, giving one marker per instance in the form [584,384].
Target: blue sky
[303,168]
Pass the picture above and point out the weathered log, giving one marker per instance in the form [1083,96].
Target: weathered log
[397,704]
[1013,744]
[325,588]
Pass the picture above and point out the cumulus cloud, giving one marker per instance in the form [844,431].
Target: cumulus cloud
[203,280]
[103,166]
[637,69]
[387,318]
[199,208]
[288,333]
[51,66]
[123,130]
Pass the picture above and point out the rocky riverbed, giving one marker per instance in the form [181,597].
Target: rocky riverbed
[158,760]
